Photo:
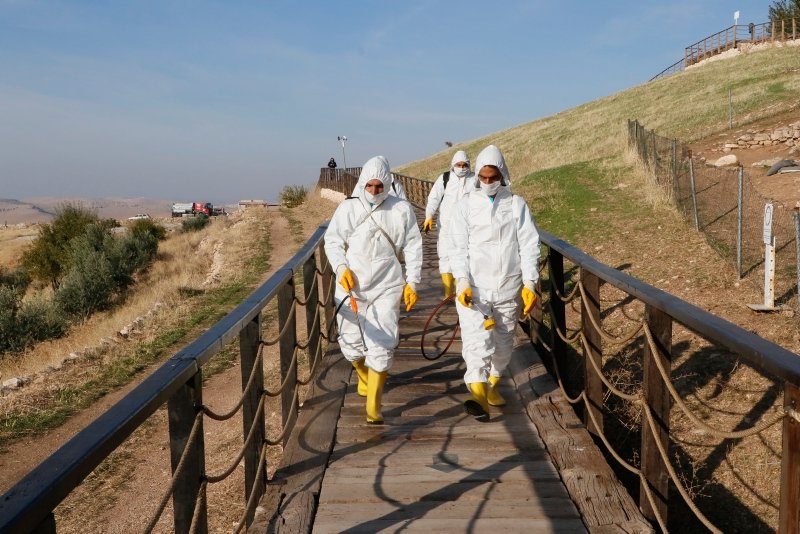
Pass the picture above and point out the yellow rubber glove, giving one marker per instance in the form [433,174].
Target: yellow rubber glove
[528,301]
[427,226]
[347,281]
[449,284]
[409,297]
[465,298]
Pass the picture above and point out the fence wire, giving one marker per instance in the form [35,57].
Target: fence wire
[716,205]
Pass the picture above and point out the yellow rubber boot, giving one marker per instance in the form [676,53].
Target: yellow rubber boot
[361,371]
[477,405]
[448,285]
[494,397]
[375,382]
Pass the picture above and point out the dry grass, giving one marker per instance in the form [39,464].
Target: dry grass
[689,106]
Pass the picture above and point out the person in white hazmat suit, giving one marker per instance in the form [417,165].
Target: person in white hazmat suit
[447,191]
[366,235]
[395,190]
[494,259]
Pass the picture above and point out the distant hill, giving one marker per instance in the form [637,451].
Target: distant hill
[42,209]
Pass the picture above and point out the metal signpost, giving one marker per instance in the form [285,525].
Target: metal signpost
[769,265]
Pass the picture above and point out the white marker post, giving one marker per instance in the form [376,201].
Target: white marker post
[769,265]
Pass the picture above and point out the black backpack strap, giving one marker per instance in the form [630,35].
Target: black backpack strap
[445,178]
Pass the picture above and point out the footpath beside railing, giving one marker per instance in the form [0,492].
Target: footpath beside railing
[29,505]
[733,37]
[725,205]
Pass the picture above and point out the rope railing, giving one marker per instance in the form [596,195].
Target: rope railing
[762,356]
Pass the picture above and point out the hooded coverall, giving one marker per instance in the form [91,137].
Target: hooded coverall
[495,250]
[355,240]
[444,198]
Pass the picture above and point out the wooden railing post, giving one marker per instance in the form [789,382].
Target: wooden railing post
[183,407]
[288,343]
[658,399]
[590,309]
[789,521]
[325,288]
[311,292]
[556,274]
[249,344]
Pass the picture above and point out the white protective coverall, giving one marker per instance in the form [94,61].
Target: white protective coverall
[445,198]
[495,250]
[355,239]
[396,189]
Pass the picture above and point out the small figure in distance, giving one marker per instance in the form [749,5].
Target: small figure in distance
[331,163]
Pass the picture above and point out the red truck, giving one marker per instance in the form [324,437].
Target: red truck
[203,207]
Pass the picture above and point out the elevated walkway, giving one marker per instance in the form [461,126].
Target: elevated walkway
[433,468]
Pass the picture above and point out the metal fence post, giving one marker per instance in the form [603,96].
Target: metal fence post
[593,350]
[789,519]
[674,172]
[694,192]
[183,407]
[740,224]
[249,344]
[658,399]
[288,344]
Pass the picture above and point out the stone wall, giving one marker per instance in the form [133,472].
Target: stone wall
[787,135]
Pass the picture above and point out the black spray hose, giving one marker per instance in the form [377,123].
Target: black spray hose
[425,331]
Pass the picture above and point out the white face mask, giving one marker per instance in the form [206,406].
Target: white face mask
[491,189]
[375,199]
[461,171]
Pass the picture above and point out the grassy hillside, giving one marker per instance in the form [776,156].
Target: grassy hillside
[690,105]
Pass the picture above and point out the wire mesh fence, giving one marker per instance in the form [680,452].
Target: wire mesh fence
[724,204]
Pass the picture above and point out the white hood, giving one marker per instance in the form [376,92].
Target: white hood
[375,168]
[491,155]
[457,157]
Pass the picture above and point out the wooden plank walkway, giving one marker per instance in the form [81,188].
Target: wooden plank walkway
[433,468]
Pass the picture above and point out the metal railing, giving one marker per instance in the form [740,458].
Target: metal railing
[178,383]
[584,348]
[730,38]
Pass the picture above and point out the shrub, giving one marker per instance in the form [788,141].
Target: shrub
[193,224]
[293,195]
[45,260]
[147,226]
[17,279]
[23,324]
[89,284]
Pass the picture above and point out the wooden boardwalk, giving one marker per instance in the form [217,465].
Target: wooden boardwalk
[431,467]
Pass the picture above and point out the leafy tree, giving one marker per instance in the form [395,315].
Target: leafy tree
[784,10]
[46,258]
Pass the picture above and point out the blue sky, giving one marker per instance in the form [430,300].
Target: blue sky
[219,101]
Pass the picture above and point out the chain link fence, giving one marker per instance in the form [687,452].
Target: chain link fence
[724,204]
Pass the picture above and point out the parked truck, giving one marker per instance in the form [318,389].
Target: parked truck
[203,207]
[179,209]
